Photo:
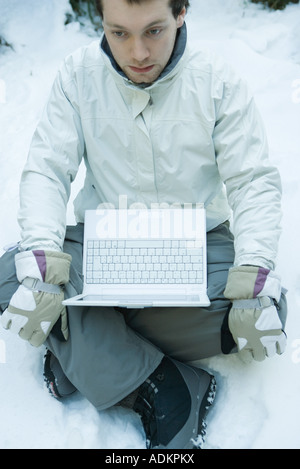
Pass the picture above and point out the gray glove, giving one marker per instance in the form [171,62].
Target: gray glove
[37,304]
[253,319]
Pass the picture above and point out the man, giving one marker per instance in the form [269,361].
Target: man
[159,124]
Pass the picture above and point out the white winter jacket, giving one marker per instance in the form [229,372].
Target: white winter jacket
[193,136]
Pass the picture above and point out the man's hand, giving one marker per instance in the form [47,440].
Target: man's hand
[37,304]
[253,319]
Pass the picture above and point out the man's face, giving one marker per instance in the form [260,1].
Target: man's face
[141,36]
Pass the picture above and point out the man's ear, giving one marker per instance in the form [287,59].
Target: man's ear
[180,17]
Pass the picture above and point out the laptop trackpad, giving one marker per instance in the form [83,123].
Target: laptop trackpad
[144,301]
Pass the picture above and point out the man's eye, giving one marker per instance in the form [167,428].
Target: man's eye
[119,34]
[154,32]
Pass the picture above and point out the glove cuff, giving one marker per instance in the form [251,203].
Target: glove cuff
[246,282]
[47,266]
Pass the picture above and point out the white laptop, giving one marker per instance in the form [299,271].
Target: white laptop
[139,258]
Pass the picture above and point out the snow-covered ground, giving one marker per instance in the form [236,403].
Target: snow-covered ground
[257,405]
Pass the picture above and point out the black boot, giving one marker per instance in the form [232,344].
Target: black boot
[173,403]
[56,381]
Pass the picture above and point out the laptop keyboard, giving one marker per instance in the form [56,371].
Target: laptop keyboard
[144,261]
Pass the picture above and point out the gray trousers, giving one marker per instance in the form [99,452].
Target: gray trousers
[111,351]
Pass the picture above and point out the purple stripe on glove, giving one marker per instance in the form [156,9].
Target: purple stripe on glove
[260,280]
[41,262]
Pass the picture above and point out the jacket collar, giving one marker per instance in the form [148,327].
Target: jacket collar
[168,72]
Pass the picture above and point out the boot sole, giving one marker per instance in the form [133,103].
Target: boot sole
[204,409]
[49,378]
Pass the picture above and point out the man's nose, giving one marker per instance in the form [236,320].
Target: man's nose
[139,50]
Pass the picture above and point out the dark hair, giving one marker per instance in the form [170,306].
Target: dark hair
[176,5]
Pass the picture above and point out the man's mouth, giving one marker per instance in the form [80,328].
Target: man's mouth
[141,69]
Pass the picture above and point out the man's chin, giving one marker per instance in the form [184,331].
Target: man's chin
[141,78]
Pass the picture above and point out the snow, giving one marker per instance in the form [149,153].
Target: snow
[257,405]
